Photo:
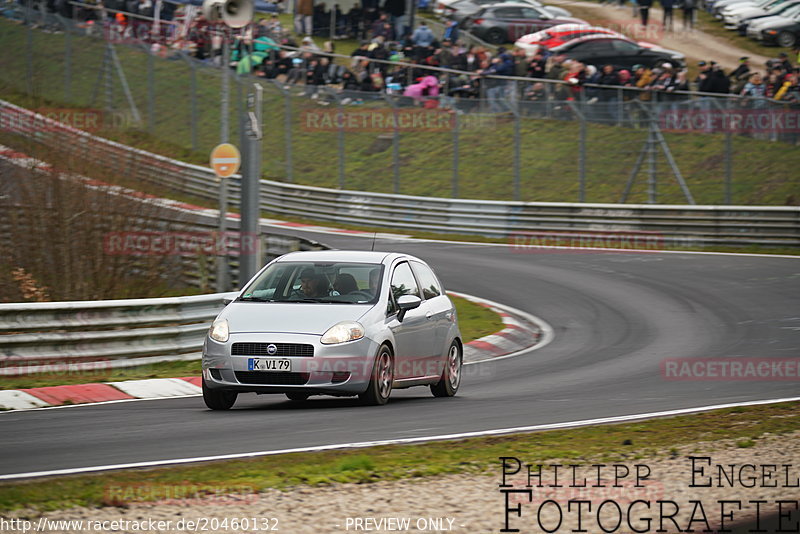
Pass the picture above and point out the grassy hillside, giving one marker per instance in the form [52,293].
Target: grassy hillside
[763,172]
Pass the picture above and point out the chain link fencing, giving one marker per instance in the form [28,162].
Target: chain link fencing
[483,137]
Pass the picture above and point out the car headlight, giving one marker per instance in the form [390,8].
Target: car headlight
[342,332]
[219,331]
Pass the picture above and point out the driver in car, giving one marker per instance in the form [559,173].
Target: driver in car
[313,284]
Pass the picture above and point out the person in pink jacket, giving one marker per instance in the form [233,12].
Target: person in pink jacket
[428,86]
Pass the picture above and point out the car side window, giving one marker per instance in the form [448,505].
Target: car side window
[427,280]
[508,13]
[530,13]
[624,46]
[403,283]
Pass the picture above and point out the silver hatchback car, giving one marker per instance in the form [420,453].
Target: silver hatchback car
[334,322]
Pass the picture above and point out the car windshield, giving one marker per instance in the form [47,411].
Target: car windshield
[790,11]
[308,282]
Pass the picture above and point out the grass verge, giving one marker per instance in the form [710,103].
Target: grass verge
[607,443]
[474,320]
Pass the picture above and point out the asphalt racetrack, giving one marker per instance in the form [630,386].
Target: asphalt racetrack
[616,318]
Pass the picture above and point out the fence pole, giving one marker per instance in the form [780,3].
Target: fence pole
[340,139]
[456,147]
[193,101]
[151,92]
[67,63]
[728,165]
[651,163]
[109,78]
[395,147]
[225,90]
[287,98]
[582,160]
[517,147]
[29,52]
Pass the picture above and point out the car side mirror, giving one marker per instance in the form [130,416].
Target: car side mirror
[405,303]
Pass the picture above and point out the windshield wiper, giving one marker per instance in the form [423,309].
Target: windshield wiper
[252,298]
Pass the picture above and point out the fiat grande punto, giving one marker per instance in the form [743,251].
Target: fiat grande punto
[341,323]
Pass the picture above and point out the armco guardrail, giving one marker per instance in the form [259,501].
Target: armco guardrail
[71,337]
[681,224]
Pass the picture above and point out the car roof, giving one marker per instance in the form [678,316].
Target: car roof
[510,4]
[355,256]
[554,31]
[594,37]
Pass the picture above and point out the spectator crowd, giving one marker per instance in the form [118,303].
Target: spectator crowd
[417,64]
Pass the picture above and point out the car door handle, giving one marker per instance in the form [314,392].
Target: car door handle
[428,315]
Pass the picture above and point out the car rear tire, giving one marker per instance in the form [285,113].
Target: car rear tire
[298,396]
[380,382]
[786,39]
[451,375]
[217,399]
[496,36]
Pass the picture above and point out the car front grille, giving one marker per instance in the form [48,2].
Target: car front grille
[293,350]
[267,378]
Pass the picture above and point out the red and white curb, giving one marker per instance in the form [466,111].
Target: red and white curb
[521,331]
[27,399]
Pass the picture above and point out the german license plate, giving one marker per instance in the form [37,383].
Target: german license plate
[269,364]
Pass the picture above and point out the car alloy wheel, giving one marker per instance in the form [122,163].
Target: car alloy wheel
[381,380]
[451,375]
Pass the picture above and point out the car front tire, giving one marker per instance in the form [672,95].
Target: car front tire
[786,39]
[380,382]
[217,399]
[496,36]
[297,396]
[451,375]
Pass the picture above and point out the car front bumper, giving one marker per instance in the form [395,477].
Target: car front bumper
[341,369]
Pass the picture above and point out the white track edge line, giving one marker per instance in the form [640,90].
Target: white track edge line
[399,441]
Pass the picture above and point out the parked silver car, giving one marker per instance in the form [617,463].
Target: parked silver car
[339,323]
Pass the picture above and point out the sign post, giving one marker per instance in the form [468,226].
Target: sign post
[251,180]
[225,160]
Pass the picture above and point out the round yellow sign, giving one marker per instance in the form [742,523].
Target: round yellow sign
[225,160]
